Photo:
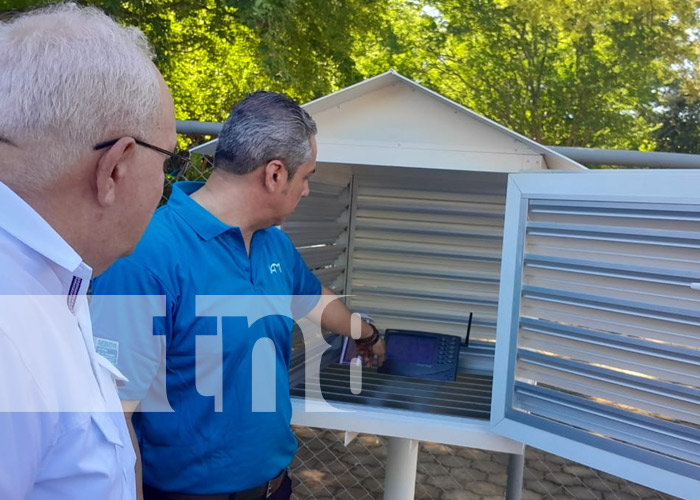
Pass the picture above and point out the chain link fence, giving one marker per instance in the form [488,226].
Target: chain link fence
[199,170]
[325,469]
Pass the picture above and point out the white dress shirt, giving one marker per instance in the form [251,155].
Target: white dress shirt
[62,431]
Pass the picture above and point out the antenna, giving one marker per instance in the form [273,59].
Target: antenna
[469,329]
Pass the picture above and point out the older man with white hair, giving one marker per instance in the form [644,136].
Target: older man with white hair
[86,128]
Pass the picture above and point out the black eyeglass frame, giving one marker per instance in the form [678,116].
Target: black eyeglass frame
[180,157]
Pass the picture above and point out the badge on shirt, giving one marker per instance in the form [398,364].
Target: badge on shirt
[107,348]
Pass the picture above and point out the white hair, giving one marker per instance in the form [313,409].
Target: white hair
[70,78]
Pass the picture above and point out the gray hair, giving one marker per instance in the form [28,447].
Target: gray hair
[71,78]
[265,126]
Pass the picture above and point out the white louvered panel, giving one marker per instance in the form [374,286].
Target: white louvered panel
[479,330]
[320,189]
[470,223]
[473,243]
[476,192]
[426,308]
[606,353]
[321,209]
[309,233]
[444,267]
[639,398]
[328,275]
[622,245]
[621,271]
[648,220]
[425,285]
[424,258]
[466,273]
[395,226]
[658,290]
[428,249]
[480,206]
[418,321]
[318,257]
[598,352]
[319,225]
[608,318]
[633,429]
[634,269]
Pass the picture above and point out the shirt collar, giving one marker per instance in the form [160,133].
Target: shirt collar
[25,224]
[202,221]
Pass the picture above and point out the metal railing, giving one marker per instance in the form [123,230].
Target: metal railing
[586,156]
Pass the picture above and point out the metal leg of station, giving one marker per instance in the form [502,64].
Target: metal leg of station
[514,486]
[401,464]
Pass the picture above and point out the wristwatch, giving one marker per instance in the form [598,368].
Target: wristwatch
[371,340]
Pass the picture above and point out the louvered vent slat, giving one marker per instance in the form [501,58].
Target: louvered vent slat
[424,258]
[638,430]
[319,225]
[605,342]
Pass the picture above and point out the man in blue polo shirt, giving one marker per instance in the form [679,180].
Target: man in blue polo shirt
[218,240]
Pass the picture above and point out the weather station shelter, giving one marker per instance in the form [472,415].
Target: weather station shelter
[566,301]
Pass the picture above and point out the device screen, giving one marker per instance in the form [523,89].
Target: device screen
[407,348]
[412,349]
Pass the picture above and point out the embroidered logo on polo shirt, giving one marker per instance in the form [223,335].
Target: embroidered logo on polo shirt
[107,348]
[275,267]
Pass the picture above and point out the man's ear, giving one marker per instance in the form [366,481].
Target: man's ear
[275,175]
[112,168]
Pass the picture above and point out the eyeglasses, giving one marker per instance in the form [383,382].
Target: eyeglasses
[174,167]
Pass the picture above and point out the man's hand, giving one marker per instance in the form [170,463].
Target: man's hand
[379,350]
[333,316]
[368,351]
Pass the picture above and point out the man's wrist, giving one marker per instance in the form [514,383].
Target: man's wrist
[371,340]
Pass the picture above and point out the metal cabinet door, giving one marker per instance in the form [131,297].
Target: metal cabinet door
[598,335]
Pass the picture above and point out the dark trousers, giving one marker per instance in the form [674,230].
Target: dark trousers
[283,493]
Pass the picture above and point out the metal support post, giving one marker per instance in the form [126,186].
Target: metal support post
[401,464]
[514,486]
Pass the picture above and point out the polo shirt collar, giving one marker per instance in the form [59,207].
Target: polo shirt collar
[202,221]
[25,224]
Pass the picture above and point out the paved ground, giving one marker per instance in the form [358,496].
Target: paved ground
[325,469]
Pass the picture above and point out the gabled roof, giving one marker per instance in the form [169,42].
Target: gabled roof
[392,120]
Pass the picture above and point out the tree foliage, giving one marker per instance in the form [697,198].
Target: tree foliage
[577,73]
[214,52]
[679,131]
[307,45]
[594,73]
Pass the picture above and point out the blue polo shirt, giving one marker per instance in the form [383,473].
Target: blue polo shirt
[217,430]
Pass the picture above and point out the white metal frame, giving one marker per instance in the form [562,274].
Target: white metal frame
[645,186]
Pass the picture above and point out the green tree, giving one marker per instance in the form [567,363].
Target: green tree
[578,73]
[679,130]
[306,46]
[567,72]
[404,38]
[213,52]
[204,53]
